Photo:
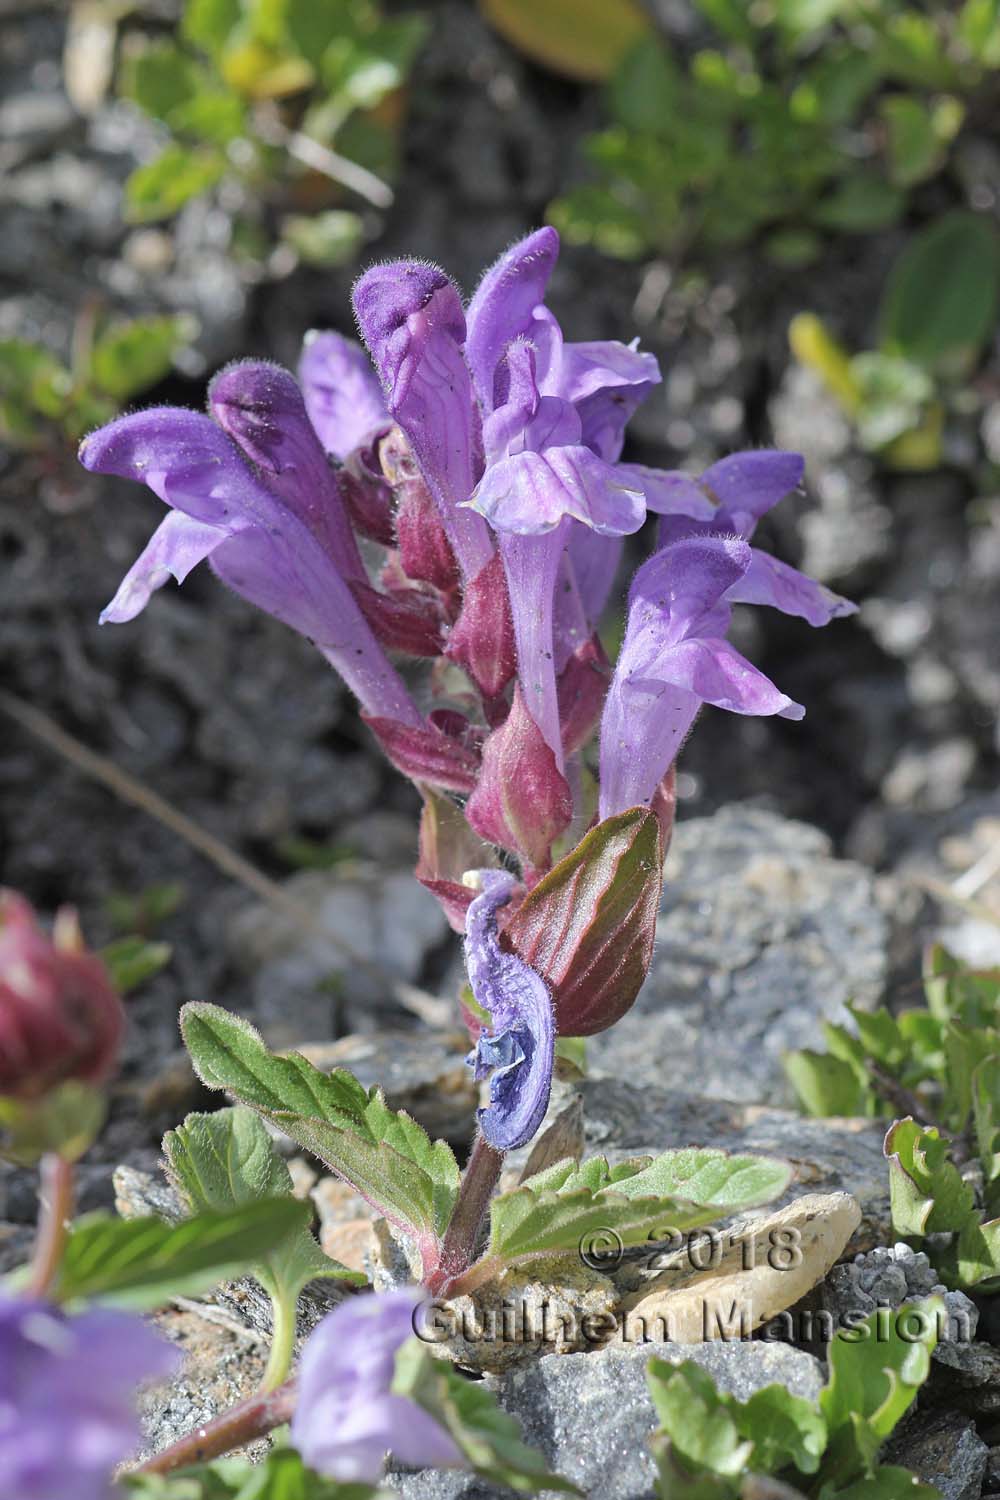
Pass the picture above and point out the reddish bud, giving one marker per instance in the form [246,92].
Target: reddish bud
[582,688]
[60,1018]
[449,847]
[368,500]
[482,640]
[522,801]
[427,754]
[424,549]
[407,620]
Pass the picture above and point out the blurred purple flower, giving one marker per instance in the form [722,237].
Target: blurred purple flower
[519,1047]
[673,659]
[347,1419]
[729,499]
[67,1397]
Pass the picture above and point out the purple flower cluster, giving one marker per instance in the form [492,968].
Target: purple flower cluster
[461,497]
[67,1397]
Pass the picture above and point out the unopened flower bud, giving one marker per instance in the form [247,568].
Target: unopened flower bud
[60,1017]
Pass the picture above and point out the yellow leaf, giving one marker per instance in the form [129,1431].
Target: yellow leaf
[262,73]
[584,39]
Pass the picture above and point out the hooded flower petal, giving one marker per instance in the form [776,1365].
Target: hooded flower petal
[341,391]
[503,307]
[261,407]
[519,1047]
[673,659]
[266,552]
[347,1418]
[606,382]
[411,318]
[748,485]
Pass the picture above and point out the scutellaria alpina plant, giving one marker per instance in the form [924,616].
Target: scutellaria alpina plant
[456,496]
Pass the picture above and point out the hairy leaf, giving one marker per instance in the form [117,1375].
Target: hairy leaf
[384,1154]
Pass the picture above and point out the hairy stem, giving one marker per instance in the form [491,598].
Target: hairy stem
[55,1195]
[458,1248]
[233,1429]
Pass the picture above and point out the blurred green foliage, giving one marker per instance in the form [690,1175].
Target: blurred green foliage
[297,100]
[937,314]
[802,117]
[38,393]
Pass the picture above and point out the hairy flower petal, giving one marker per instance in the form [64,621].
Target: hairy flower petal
[504,305]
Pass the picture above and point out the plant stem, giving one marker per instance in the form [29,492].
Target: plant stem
[55,1194]
[233,1429]
[458,1247]
[282,1343]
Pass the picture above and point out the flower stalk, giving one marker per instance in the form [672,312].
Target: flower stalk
[55,1196]
[458,1248]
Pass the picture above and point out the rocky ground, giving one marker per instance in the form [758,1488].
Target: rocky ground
[768,924]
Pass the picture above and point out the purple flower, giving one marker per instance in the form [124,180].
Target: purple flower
[519,1047]
[264,544]
[347,1418]
[673,659]
[729,499]
[67,1397]
[342,394]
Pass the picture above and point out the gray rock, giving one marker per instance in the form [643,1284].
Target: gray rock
[838,1155]
[762,937]
[359,932]
[591,1415]
[891,1277]
[943,1450]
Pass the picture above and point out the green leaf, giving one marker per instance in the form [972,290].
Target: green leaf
[697,1420]
[142,1263]
[222,1161]
[532,1223]
[979,29]
[894,393]
[33,385]
[985,1111]
[158,189]
[384,1155]
[67,1120]
[327,239]
[588,925]
[131,961]
[927,1191]
[876,1370]
[584,39]
[860,204]
[886,1483]
[827,1085]
[210,23]
[716,1433]
[158,77]
[707,1178]
[129,357]
[940,301]
[914,145]
[280,1476]
[489,1439]
[144,912]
